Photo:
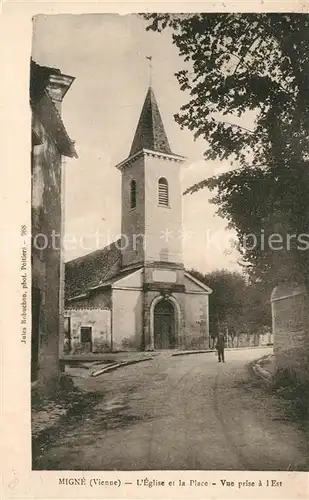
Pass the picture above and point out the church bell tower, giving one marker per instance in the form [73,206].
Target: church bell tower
[151,197]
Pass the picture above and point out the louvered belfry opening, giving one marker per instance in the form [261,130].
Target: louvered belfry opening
[163,192]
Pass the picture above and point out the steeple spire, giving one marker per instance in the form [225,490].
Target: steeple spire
[150,133]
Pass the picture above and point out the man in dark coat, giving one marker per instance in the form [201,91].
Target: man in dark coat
[220,347]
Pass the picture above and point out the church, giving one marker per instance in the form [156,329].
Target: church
[135,294]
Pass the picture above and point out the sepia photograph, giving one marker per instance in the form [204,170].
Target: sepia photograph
[169,243]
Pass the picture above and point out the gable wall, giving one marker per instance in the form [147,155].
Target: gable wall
[134,280]
[191,286]
[197,321]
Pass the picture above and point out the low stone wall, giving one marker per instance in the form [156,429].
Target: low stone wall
[248,340]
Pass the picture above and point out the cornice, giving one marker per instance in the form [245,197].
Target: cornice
[154,154]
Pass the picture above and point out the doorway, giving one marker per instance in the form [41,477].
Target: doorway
[86,338]
[164,325]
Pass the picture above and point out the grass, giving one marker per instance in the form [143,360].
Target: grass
[76,404]
[290,381]
[289,368]
[289,386]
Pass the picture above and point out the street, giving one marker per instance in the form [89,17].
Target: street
[182,413]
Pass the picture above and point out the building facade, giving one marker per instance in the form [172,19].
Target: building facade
[50,142]
[136,293]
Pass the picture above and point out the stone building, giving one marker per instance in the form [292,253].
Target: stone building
[290,329]
[50,142]
[136,293]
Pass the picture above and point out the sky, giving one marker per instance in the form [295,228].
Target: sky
[106,53]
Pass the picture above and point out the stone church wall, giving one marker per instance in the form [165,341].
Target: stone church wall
[196,330]
[99,320]
[160,218]
[95,312]
[181,300]
[149,297]
[127,324]
[133,219]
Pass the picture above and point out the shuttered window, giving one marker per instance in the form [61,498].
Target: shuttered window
[163,192]
[133,194]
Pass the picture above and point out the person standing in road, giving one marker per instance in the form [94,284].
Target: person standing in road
[220,347]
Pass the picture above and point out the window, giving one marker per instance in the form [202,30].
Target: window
[85,334]
[163,192]
[133,194]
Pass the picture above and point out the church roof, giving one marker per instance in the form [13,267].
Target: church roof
[150,133]
[92,270]
[101,268]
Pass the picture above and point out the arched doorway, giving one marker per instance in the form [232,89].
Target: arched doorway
[164,325]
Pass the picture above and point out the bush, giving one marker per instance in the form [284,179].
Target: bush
[77,404]
[78,348]
[101,346]
[129,343]
[66,383]
[293,389]
[37,399]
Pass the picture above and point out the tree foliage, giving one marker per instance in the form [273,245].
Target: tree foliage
[237,64]
[240,306]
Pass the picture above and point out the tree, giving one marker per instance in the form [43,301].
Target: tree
[258,63]
[235,303]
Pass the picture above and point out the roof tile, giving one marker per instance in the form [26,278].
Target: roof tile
[150,133]
[92,270]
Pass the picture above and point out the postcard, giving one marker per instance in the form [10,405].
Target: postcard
[155,250]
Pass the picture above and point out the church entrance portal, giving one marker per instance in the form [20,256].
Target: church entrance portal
[164,325]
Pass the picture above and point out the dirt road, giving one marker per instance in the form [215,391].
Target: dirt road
[181,413]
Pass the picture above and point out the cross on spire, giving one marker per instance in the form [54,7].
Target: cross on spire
[149,58]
